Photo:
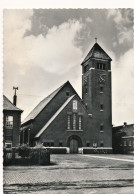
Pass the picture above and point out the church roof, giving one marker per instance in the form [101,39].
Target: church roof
[8,105]
[42,104]
[54,116]
[97,52]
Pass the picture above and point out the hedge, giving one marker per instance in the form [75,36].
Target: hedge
[54,150]
[27,156]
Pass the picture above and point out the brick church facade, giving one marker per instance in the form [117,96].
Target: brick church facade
[63,119]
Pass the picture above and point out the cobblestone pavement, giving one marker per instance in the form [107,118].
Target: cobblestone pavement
[73,174]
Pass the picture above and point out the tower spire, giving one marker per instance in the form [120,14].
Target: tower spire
[95,39]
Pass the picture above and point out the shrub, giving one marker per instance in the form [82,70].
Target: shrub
[24,151]
[39,155]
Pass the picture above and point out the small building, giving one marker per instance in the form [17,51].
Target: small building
[63,119]
[11,123]
[123,139]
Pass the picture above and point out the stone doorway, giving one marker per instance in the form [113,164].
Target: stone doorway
[74,142]
[73,146]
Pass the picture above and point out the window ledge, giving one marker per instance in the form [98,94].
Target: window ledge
[101,110]
[101,131]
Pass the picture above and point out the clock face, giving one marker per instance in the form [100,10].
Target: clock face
[101,78]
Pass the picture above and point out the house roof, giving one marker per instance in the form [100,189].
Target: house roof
[8,105]
[122,126]
[54,116]
[42,104]
[97,52]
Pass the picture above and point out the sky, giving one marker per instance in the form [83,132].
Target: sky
[43,48]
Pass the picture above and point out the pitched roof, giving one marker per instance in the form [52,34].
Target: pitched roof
[42,105]
[54,116]
[8,105]
[97,52]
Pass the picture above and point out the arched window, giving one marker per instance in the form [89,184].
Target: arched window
[75,105]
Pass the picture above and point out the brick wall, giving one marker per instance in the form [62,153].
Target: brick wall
[12,135]
[57,131]
[123,139]
[51,108]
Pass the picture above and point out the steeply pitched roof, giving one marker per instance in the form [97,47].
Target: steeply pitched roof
[97,52]
[42,104]
[54,116]
[8,105]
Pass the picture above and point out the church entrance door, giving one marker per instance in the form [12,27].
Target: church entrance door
[74,146]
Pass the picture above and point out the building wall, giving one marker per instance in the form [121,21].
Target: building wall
[11,135]
[51,108]
[57,131]
[123,139]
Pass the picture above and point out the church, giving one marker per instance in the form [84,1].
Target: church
[63,119]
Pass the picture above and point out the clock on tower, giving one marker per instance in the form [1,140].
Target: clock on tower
[96,93]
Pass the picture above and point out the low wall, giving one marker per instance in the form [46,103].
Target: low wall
[82,150]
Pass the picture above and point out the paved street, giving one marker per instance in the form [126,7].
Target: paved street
[70,174]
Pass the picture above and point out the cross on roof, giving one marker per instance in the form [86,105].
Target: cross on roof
[95,39]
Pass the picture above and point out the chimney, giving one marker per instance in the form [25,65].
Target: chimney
[125,123]
[15,96]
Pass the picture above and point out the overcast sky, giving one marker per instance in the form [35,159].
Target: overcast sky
[44,48]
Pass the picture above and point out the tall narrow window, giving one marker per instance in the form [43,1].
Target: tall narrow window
[101,144]
[74,104]
[67,93]
[68,122]
[101,66]
[101,128]
[101,107]
[130,144]
[74,121]
[125,143]
[80,120]
[9,122]
[101,89]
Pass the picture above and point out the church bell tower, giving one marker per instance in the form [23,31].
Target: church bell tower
[96,93]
